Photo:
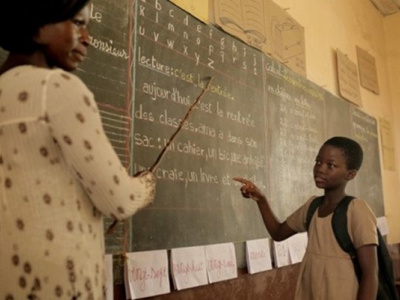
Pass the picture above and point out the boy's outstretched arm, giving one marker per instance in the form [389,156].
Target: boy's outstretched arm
[278,231]
[368,261]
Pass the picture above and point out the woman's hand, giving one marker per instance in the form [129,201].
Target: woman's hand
[141,173]
[249,189]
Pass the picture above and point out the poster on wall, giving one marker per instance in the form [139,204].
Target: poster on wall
[367,69]
[198,9]
[349,87]
[265,26]
[387,144]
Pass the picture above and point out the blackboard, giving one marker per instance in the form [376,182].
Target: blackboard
[301,116]
[295,114]
[197,202]
[148,62]
[368,184]
[288,119]
[339,109]
[3,55]
[364,129]
[106,71]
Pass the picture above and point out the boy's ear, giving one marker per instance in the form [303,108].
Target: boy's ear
[351,174]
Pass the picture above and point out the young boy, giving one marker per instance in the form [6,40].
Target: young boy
[327,271]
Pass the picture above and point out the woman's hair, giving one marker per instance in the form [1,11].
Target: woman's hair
[20,20]
[352,151]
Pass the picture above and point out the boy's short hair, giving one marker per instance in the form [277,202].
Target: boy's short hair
[351,149]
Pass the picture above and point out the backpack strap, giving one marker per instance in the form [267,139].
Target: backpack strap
[340,230]
[386,271]
[311,210]
[386,287]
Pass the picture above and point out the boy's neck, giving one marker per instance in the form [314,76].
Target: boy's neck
[333,197]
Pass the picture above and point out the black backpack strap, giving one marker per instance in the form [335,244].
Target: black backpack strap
[386,288]
[311,210]
[386,271]
[340,230]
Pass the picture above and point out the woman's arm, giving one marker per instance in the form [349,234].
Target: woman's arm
[75,123]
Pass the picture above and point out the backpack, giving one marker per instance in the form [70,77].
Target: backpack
[386,281]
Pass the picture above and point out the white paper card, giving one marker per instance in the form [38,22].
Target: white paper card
[221,262]
[258,256]
[382,225]
[146,274]
[297,247]
[281,253]
[109,286]
[188,267]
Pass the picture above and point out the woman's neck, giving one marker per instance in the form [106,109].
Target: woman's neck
[17,59]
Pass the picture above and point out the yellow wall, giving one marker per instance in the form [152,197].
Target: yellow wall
[392,179]
[345,24]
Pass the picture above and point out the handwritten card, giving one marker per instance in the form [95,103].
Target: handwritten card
[258,256]
[281,253]
[382,225]
[297,247]
[146,274]
[188,267]
[109,286]
[221,262]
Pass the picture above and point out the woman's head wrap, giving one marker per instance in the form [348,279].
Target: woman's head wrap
[20,20]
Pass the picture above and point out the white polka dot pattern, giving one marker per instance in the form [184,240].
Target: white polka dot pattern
[58,176]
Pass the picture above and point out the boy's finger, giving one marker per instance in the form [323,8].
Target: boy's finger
[240,179]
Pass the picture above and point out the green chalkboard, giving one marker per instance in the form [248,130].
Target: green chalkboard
[295,113]
[258,119]
[148,62]
[301,116]
[3,55]
[368,183]
[197,203]
[106,72]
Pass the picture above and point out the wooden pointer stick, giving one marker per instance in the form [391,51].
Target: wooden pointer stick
[160,156]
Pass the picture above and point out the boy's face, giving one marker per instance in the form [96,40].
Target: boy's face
[330,169]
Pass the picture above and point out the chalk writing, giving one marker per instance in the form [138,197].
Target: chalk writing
[280,71]
[296,110]
[223,136]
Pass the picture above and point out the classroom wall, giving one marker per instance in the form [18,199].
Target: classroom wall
[391,179]
[345,24]
[331,25]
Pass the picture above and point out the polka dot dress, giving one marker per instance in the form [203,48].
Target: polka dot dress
[58,176]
